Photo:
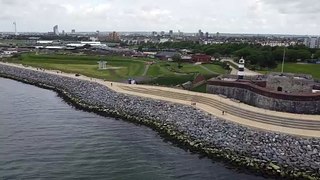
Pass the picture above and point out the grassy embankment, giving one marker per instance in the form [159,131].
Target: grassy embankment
[313,69]
[168,73]
[121,68]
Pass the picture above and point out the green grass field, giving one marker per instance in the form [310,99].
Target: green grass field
[168,73]
[13,42]
[87,65]
[171,68]
[121,68]
[313,69]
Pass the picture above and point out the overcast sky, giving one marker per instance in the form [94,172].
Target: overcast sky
[225,16]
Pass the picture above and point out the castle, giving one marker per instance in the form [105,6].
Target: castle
[286,92]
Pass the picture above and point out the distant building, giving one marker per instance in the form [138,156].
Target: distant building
[207,35]
[73,31]
[10,52]
[162,33]
[91,43]
[15,29]
[94,39]
[163,40]
[171,33]
[200,34]
[312,42]
[166,55]
[203,58]
[56,30]
[44,42]
[84,43]
[186,58]
[113,37]
[154,33]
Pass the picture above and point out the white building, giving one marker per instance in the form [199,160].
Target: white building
[96,44]
[312,42]
[94,39]
[9,52]
[54,47]
[91,42]
[163,40]
[44,42]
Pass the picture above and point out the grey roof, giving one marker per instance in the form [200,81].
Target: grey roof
[168,54]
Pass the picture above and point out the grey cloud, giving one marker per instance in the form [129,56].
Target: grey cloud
[248,16]
[294,6]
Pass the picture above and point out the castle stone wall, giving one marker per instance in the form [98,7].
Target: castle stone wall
[289,83]
[258,97]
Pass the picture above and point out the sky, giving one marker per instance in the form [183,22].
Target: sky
[225,16]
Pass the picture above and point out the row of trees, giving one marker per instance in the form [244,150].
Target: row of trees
[256,56]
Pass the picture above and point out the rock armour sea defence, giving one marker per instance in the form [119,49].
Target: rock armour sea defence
[269,153]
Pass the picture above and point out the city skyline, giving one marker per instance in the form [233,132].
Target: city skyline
[228,16]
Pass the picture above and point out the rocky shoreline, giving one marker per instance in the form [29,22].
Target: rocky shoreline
[268,153]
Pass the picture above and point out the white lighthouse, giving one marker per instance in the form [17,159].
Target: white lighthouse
[241,69]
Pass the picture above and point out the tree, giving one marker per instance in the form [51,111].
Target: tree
[267,61]
[245,52]
[278,53]
[211,51]
[291,55]
[177,58]
[254,57]
[303,54]
[217,56]
[317,54]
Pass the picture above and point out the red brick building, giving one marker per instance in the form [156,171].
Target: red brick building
[201,58]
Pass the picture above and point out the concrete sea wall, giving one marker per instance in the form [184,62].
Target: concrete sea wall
[259,97]
[269,153]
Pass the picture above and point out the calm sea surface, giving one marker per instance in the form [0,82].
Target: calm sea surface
[42,137]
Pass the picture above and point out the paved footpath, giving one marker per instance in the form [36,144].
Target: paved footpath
[296,124]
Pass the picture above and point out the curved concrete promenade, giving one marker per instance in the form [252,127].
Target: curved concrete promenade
[296,124]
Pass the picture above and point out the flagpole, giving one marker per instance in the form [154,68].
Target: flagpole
[283,58]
